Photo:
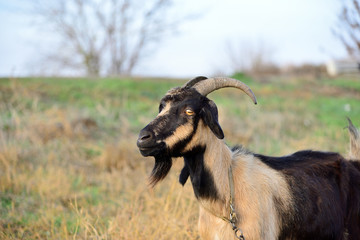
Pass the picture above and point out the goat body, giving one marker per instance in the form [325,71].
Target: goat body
[306,195]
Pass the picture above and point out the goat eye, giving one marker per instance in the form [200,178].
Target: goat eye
[189,112]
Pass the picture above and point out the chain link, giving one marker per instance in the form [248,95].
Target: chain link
[238,233]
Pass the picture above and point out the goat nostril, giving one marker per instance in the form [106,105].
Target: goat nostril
[145,137]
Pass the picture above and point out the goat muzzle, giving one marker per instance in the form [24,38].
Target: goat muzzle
[147,143]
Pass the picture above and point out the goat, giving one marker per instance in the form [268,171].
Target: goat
[306,195]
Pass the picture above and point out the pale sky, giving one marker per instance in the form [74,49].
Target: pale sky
[296,32]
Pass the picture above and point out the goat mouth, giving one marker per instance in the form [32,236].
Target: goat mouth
[152,150]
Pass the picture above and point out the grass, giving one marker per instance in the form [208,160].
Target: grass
[348,84]
[69,167]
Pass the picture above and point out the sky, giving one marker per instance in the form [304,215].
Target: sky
[294,31]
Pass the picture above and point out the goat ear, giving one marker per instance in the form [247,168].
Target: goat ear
[210,117]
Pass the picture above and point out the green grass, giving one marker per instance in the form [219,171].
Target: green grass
[130,96]
[331,111]
[349,84]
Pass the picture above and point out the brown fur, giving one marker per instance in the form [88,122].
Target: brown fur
[181,133]
[255,189]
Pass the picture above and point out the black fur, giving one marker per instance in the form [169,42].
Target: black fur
[163,160]
[325,188]
[163,163]
[209,114]
[201,178]
[164,126]
[184,175]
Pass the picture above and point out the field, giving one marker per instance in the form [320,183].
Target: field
[70,169]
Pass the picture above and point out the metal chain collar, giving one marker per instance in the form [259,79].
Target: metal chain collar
[232,219]
[232,215]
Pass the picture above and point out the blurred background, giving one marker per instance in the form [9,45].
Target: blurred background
[80,78]
[172,38]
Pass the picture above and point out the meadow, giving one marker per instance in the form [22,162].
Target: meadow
[70,168]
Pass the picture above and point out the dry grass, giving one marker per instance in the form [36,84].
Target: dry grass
[61,177]
[70,171]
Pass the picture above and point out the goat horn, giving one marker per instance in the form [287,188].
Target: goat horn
[205,86]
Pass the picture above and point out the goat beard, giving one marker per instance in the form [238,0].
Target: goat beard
[163,163]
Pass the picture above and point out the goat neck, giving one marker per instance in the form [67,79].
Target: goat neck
[208,166]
